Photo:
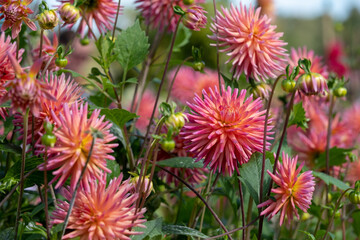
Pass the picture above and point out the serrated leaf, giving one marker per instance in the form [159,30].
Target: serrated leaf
[331,180]
[10,147]
[131,46]
[118,116]
[337,156]
[181,162]
[8,126]
[309,236]
[250,175]
[152,230]
[105,48]
[182,230]
[297,116]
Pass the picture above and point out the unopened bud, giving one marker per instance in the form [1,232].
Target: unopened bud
[48,19]
[312,83]
[261,90]
[176,120]
[69,13]
[195,18]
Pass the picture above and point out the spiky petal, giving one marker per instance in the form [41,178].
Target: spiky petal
[225,130]
[294,190]
[72,148]
[254,47]
[100,212]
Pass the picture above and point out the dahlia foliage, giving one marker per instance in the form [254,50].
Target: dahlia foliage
[164,119]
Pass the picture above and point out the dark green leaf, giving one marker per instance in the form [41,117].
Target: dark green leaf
[337,156]
[131,47]
[309,236]
[105,47]
[100,100]
[228,82]
[250,175]
[181,162]
[297,116]
[115,169]
[182,230]
[320,234]
[182,38]
[8,126]
[356,222]
[152,230]
[118,116]
[10,147]
[7,234]
[330,180]
[315,210]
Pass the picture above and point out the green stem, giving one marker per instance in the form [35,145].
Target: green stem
[46,196]
[22,171]
[123,83]
[328,139]
[116,19]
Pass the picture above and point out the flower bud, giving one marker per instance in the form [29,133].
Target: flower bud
[146,186]
[340,92]
[288,85]
[354,197]
[312,83]
[188,2]
[198,66]
[195,18]
[176,120]
[260,90]
[168,145]
[48,140]
[69,13]
[48,19]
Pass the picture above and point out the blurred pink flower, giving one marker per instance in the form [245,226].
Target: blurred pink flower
[335,59]
[100,212]
[353,173]
[145,110]
[352,119]
[48,50]
[73,132]
[255,49]
[294,190]
[14,13]
[225,130]
[160,14]
[189,82]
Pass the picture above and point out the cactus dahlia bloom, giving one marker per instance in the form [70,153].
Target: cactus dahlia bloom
[73,132]
[293,190]
[65,91]
[14,12]
[103,12]
[48,53]
[101,212]
[160,14]
[255,49]
[225,130]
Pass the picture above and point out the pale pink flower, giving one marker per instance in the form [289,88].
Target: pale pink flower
[255,49]
[293,191]
[14,13]
[225,130]
[74,137]
[195,18]
[317,65]
[101,212]
[160,14]
[102,12]
[189,82]
[48,53]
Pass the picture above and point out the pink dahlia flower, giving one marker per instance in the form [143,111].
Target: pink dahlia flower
[225,130]
[102,12]
[317,65]
[48,53]
[352,119]
[189,82]
[14,13]
[65,91]
[25,91]
[255,49]
[293,190]
[195,18]
[160,14]
[73,133]
[100,212]
[336,59]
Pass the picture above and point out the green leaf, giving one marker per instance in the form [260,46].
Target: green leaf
[356,222]
[8,126]
[100,100]
[330,180]
[105,47]
[131,47]
[320,235]
[228,82]
[309,236]
[10,147]
[250,175]
[151,232]
[337,156]
[180,162]
[7,234]
[182,230]
[182,38]
[115,169]
[118,116]
[297,116]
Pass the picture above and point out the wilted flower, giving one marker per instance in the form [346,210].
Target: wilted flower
[13,13]
[48,53]
[100,212]
[294,190]
[225,130]
[69,13]
[74,137]
[160,14]
[255,49]
[25,91]
[48,19]
[102,12]
[195,18]
[189,82]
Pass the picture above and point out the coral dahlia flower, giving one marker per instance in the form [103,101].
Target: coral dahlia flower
[101,212]
[72,148]
[225,130]
[293,190]
[255,49]
[14,13]
[102,12]
[160,14]
[48,53]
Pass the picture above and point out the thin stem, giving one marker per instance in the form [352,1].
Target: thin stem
[72,202]
[46,196]
[201,198]
[88,24]
[241,205]
[116,19]
[53,195]
[328,139]
[22,171]
[217,47]
[248,216]
[207,198]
